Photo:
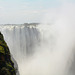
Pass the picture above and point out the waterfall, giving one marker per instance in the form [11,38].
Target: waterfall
[40,50]
[45,49]
[21,40]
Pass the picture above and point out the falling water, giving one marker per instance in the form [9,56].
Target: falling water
[45,49]
[21,40]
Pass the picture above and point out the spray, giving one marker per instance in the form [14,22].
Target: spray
[53,55]
[55,52]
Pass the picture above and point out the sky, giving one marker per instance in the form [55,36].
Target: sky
[27,11]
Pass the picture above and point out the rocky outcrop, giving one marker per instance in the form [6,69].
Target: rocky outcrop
[6,63]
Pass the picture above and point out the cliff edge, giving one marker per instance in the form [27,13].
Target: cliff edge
[6,63]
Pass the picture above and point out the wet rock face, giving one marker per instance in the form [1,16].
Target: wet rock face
[15,65]
[8,65]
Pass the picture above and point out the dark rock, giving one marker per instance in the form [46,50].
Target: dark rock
[6,61]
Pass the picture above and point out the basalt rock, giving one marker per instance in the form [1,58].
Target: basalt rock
[6,62]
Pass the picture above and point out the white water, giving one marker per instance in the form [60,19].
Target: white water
[21,40]
[45,49]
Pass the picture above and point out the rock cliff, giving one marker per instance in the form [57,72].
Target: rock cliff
[6,61]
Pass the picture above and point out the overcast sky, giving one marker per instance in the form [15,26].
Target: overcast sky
[21,11]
